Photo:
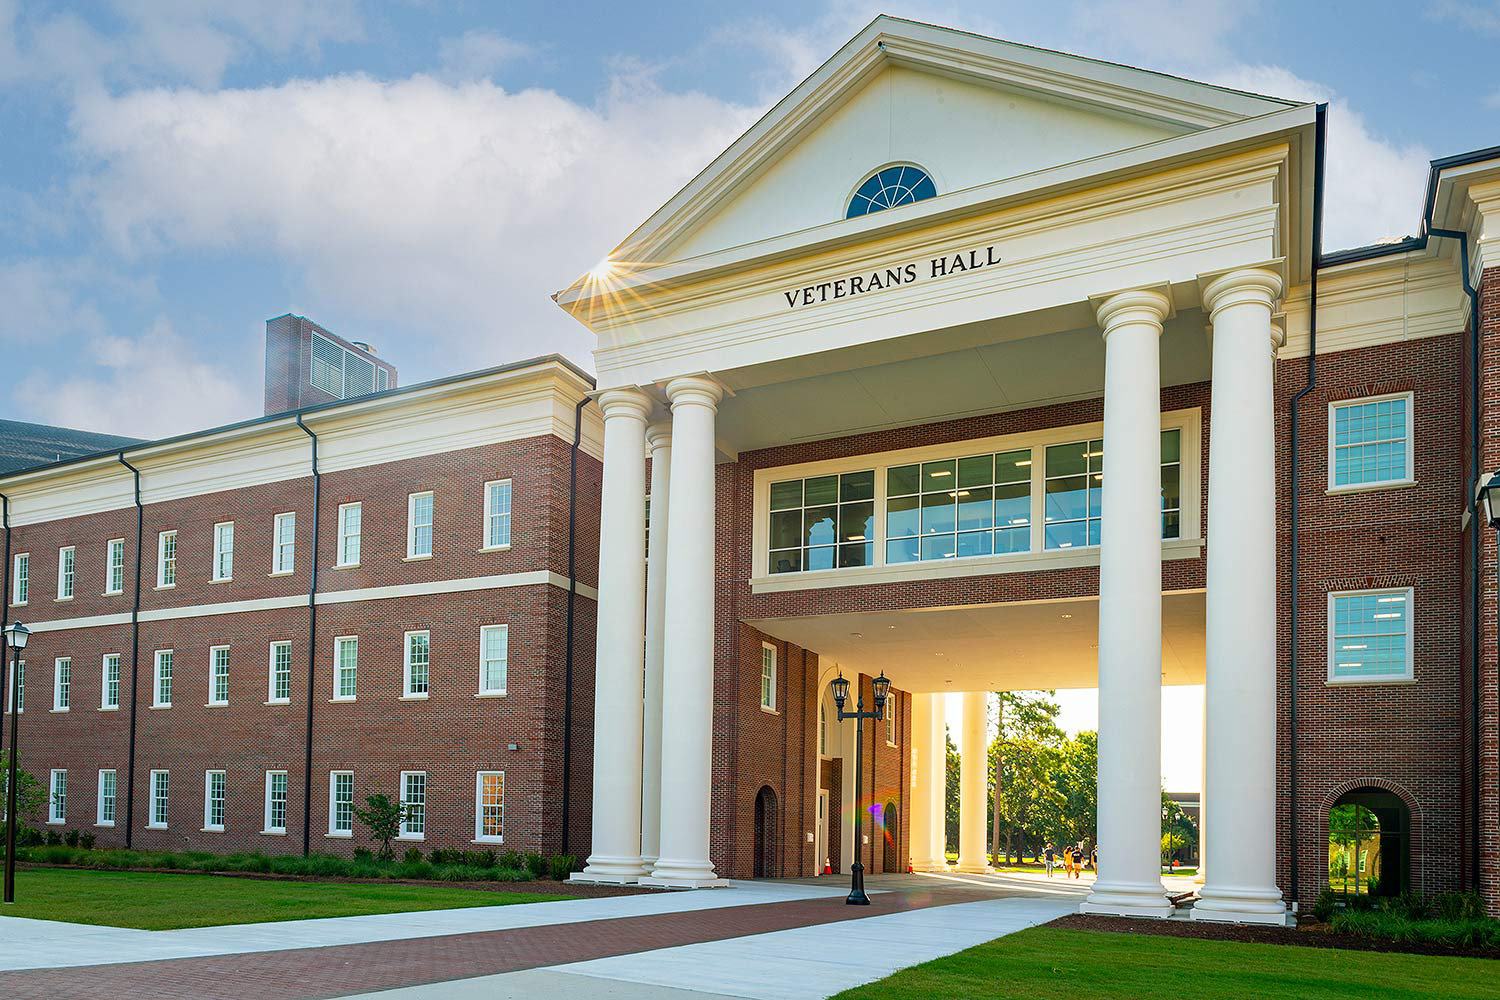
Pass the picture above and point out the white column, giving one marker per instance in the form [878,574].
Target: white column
[688,653]
[930,759]
[1203,797]
[940,781]
[1129,833]
[973,768]
[919,835]
[619,657]
[659,441]
[1241,604]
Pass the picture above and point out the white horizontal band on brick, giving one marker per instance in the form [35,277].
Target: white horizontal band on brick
[499,582]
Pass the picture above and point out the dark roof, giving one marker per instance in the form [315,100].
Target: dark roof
[23,445]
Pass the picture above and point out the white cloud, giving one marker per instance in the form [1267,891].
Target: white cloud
[1160,33]
[476,55]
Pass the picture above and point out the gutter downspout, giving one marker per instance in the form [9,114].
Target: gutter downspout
[1475,542]
[5,600]
[567,754]
[1319,150]
[312,642]
[135,652]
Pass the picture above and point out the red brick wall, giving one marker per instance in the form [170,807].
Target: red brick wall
[1489,668]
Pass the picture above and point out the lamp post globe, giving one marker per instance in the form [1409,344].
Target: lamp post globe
[1484,492]
[16,635]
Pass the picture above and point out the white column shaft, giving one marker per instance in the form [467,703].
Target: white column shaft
[621,609]
[1129,832]
[939,791]
[688,652]
[973,844]
[1241,605]
[929,793]
[919,837]
[659,440]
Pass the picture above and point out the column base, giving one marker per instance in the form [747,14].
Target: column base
[611,871]
[931,867]
[683,875]
[971,868]
[1128,899]
[675,882]
[1240,906]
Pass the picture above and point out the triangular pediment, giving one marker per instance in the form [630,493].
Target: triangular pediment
[969,110]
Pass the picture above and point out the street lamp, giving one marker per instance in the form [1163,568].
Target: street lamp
[16,635]
[1482,496]
[882,688]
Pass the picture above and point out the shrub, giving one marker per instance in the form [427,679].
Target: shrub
[1326,904]
[86,840]
[1389,925]
[56,855]
[71,838]
[1458,905]
[28,836]
[513,860]
[536,864]
[363,856]
[561,866]
[479,859]
[53,838]
[413,856]
[382,817]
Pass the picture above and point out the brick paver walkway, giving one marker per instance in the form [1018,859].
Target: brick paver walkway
[347,969]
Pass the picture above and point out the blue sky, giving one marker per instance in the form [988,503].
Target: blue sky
[423,175]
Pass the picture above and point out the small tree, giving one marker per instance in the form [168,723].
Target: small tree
[31,797]
[383,817]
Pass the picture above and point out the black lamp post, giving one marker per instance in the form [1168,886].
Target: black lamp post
[882,688]
[16,635]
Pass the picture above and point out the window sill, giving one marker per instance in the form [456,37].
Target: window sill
[278,701]
[488,840]
[490,694]
[1394,484]
[412,697]
[109,823]
[217,704]
[281,572]
[62,600]
[273,833]
[19,604]
[417,558]
[414,837]
[339,836]
[109,708]
[493,548]
[211,829]
[155,707]
[165,586]
[340,699]
[227,579]
[156,826]
[769,711]
[893,746]
[353,565]
[1368,681]
[57,711]
[57,822]
[113,593]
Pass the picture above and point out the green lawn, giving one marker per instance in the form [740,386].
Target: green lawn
[156,901]
[1042,964]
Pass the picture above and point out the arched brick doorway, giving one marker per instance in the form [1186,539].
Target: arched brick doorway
[765,833]
[891,818]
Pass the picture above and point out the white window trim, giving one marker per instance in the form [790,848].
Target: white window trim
[99,819]
[411,525]
[151,823]
[402,833]
[271,698]
[484,528]
[207,800]
[276,520]
[267,828]
[156,677]
[1384,484]
[53,818]
[161,559]
[889,719]
[479,836]
[212,701]
[15,579]
[1411,651]
[338,642]
[214,576]
[342,535]
[70,578]
[775,672]
[340,834]
[406,692]
[104,704]
[1189,544]
[57,665]
[483,691]
[19,685]
[109,549]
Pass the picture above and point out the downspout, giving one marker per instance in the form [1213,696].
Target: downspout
[1474,535]
[1319,150]
[567,775]
[135,652]
[312,642]
[5,600]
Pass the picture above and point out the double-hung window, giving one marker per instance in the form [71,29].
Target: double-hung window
[284,543]
[351,516]
[65,566]
[57,797]
[768,677]
[419,525]
[1370,442]
[214,783]
[418,661]
[218,675]
[114,573]
[279,681]
[413,805]
[109,696]
[275,802]
[166,559]
[223,551]
[161,688]
[890,719]
[497,514]
[345,667]
[1370,636]
[489,807]
[159,786]
[20,580]
[823,522]
[1074,493]
[62,683]
[961,507]
[106,813]
[340,803]
[494,642]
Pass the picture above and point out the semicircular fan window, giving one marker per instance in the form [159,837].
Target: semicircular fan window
[889,187]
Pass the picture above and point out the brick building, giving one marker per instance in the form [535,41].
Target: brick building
[972,366]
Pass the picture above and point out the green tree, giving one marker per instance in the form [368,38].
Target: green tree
[1177,828]
[383,818]
[31,797]
[1078,780]
[950,799]
[1024,760]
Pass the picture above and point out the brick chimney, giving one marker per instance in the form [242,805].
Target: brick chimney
[306,365]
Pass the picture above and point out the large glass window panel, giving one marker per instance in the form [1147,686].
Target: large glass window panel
[976,471]
[821,523]
[1013,505]
[974,543]
[901,480]
[857,521]
[785,496]
[818,525]
[938,475]
[857,486]
[902,517]
[824,489]
[1067,498]
[1370,442]
[902,550]
[976,508]
[939,512]
[1369,636]
[1013,540]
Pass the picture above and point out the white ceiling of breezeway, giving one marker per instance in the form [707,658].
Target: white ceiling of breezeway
[993,647]
[945,375]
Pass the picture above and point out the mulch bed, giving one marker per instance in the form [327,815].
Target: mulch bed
[1307,935]
[535,887]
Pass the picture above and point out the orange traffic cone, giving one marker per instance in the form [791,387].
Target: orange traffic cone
[827,867]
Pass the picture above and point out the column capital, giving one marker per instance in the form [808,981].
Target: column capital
[659,435]
[624,402]
[1137,305]
[1257,285]
[701,389]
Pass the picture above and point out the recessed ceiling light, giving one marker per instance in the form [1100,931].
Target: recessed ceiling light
[890,626]
[856,635]
[939,654]
[1066,616]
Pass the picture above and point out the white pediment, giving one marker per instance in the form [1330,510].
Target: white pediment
[968,109]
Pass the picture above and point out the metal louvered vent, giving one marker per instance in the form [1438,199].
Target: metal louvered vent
[359,376]
[327,366]
[382,380]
